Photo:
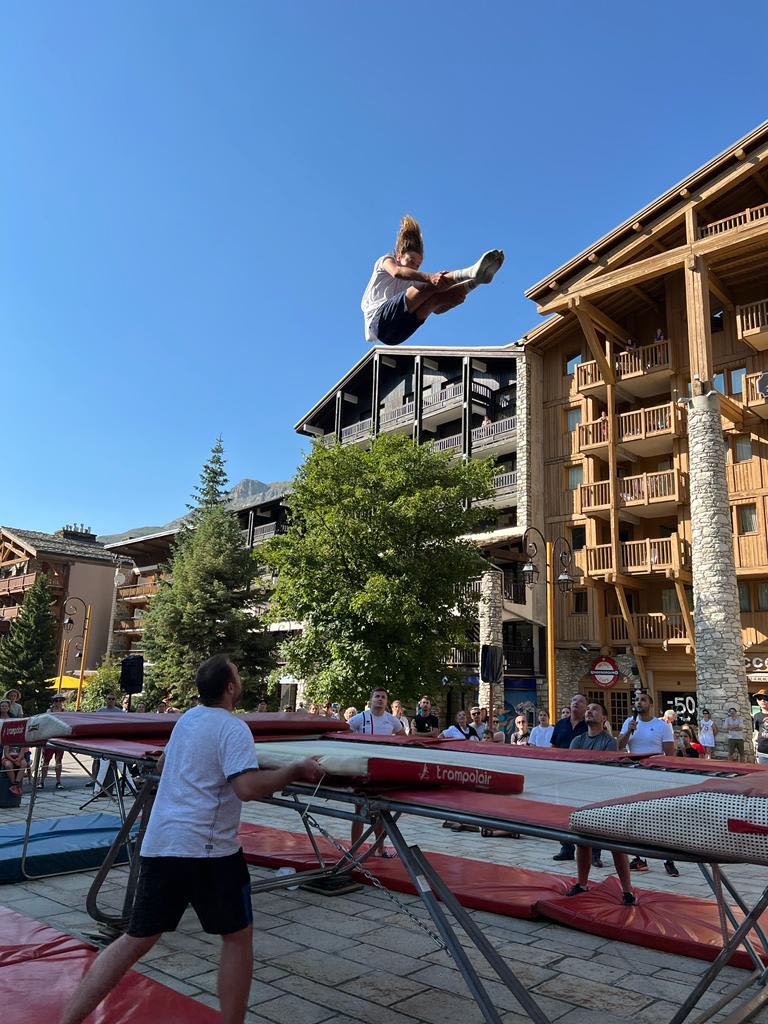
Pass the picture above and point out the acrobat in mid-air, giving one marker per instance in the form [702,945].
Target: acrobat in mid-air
[400,297]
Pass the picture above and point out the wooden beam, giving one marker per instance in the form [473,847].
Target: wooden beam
[594,345]
[720,292]
[699,330]
[685,611]
[631,633]
[758,178]
[732,411]
[603,321]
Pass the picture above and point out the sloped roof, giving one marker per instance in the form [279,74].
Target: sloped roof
[664,203]
[63,547]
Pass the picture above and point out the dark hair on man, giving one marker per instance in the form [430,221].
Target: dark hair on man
[212,678]
[376,689]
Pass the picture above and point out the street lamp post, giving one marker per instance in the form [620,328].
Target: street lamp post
[82,638]
[561,549]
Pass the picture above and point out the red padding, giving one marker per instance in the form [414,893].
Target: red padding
[424,773]
[702,765]
[661,920]
[510,808]
[476,884]
[35,985]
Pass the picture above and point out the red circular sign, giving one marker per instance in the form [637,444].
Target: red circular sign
[605,672]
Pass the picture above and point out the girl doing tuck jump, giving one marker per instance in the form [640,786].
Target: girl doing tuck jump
[400,297]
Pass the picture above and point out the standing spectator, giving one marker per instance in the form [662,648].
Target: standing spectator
[597,737]
[335,712]
[314,709]
[688,749]
[562,735]
[478,724]
[760,723]
[397,711]
[521,733]
[565,712]
[110,703]
[349,713]
[541,734]
[261,706]
[707,732]
[641,733]
[670,716]
[141,708]
[461,730]
[425,722]
[17,711]
[57,704]
[734,726]
[376,722]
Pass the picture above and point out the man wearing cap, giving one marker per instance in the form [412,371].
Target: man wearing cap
[734,726]
[760,722]
[57,705]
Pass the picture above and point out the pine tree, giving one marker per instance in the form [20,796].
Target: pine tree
[206,599]
[28,651]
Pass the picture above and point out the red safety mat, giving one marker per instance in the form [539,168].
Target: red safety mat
[513,892]
[702,765]
[489,805]
[35,985]
[661,920]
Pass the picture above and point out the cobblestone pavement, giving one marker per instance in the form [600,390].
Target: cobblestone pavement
[358,958]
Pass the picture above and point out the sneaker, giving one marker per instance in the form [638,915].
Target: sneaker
[671,869]
[628,899]
[41,785]
[564,855]
[16,790]
[597,862]
[638,864]
[576,890]
[59,786]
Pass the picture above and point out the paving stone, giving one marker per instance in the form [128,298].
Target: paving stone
[581,968]
[289,1009]
[594,997]
[266,946]
[330,970]
[259,991]
[384,959]
[328,921]
[400,940]
[328,942]
[184,987]
[353,1006]
[451,981]
[183,965]
[382,987]
[438,1007]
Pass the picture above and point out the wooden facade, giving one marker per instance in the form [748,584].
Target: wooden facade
[673,303]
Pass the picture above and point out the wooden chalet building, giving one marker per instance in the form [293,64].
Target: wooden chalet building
[651,372]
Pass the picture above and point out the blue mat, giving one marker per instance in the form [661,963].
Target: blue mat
[57,845]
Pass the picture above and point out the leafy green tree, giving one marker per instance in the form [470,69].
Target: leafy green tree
[106,679]
[206,600]
[375,565]
[28,651]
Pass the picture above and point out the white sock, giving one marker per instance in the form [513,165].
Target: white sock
[483,271]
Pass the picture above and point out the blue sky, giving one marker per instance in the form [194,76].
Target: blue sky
[192,195]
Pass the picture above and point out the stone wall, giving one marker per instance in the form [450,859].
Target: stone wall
[721,680]
[491,609]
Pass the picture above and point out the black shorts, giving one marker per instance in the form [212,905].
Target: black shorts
[394,322]
[218,889]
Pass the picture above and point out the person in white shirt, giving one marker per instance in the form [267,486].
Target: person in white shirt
[734,726]
[397,711]
[476,721]
[641,733]
[399,297]
[375,721]
[541,734]
[460,731]
[191,854]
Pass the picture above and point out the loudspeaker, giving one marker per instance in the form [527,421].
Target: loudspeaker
[132,674]
[491,664]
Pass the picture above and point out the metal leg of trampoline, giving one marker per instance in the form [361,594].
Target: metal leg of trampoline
[433,891]
[745,910]
[716,881]
[719,963]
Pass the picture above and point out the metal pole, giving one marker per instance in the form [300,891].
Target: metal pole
[64,645]
[86,632]
[551,671]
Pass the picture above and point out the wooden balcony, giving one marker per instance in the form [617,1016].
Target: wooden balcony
[737,221]
[516,660]
[9,612]
[448,444]
[357,432]
[402,416]
[440,401]
[20,584]
[640,557]
[639,371]
[752,324]
[128,627]
[505,484]
[593,437]
[646,432]
[595,498]
[139,592]
[754,401]
[655,628]
[652,494]
[262,534]
[494,434]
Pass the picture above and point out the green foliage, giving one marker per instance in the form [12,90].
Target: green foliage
[206,600]
[106,679]
[28,651]
[374,564]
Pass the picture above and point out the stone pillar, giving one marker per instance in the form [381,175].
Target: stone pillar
[721,680]
[490,609]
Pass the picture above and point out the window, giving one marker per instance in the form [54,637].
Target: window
[745,604]
[578,537]
[718,382]
[762,597]
[664,465]
[571,362]
[572,419]
[742,448]
[575,476]
[717,320]
[747,518]
[669,602]
[579,602]
[737,381]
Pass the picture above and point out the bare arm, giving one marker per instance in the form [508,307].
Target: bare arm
[625,737]
[668,748]
[255,785]
[394,269]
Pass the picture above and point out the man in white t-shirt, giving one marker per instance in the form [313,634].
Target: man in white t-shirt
[377,721]
[190,853]
[642,733]
[541,734]
[734,726]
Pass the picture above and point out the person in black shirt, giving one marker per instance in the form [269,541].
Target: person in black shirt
[424,721]
[566,730]
[760,723]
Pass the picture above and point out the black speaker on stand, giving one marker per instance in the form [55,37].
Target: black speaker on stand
[132,675]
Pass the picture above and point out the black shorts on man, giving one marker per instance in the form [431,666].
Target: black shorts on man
[394,323]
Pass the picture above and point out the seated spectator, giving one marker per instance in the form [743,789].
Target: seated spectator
[261,706]
[687,749]
[12,696]
[397,711]
[541,734]
[57,704]
[14,764]
[521,733]
[349,713]
[461,730]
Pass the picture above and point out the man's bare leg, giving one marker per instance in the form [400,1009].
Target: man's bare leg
[105,972]
[621,863]
[420,297]
[235,970]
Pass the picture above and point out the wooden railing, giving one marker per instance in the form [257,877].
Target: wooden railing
[655,627]
[640,556]
[128,626]
[140,590]
[752,317]
[597,495]
[263,533]
[444,397]
[648,488]
[645,359]
[643,423]
[492,431]
[588,375]
[9,613]
[356,430]
[593,432]
[404,412]
[445,444]
[326,440]
[737,220]
[753,395]
[505,482]
[22,583]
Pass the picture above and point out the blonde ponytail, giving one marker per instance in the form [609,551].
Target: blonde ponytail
[409,237]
